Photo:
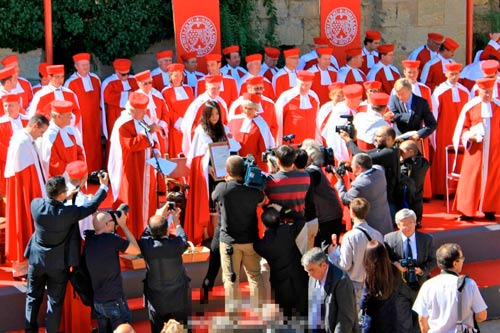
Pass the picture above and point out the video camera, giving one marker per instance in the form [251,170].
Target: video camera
[122,209]
[95,174]
[411,264]
[254,177]
[266,154]
[328,156]
[340,170]
[348,127]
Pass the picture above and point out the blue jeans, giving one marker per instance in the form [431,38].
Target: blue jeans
[111,314]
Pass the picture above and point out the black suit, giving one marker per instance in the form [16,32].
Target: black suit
[412,120]
[48,256]
[426,260]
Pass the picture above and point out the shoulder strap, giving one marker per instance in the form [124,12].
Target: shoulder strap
[460,287]
[365,232]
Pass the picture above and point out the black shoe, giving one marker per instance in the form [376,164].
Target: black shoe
[490,216]
[205,290]
[465,218]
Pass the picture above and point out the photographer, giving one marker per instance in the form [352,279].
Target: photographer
[101,255]
[166,287]
[413,253]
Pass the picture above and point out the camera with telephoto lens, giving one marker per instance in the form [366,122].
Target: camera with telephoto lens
[268,152]
[411,264]
[95,174]
[122,209]
[171,205]
[340,170]
[289,138]
[348,127]
[328,156]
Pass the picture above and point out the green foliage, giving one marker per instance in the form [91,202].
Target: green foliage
[483,24]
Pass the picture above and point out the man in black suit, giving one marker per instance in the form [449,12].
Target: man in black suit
[332,304]
[47,249]
[407,243]
[409,111]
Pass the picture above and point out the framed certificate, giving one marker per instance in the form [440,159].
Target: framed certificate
[219,153]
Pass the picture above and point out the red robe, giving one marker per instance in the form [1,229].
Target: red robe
[161,79]
[177,104]
[268,87]
[284,80]
[422,54]
[228,89]
[114,96]
[378,73]
[25,181]
[235,73]
[365,67]
[267,110]
[191,78]
[24,89]
[92,117]
[446,114]
[350,75]
[131,179]
[268,72]
[320,87]
[479,184]
[433,72]
[158,113]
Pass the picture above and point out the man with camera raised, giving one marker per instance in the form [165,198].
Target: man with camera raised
[101,256]
[413,253]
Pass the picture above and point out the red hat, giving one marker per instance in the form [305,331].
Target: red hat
[305,76]
[489,67]
[10,60]
[272,52]
[55,70]
[450,44]
[321,41]
[353,90]
[42,69]
[61,106]
[213,78]
[372,85]
[231,49]
[175,67]
[379,99]
[255,80]
[11,98]
[122,65]
[143,76]
[291,52]
[336,86]
[164,54]
[373,35]
[486,83]
[189,55]
[138,100]
[353,52]
[324,51]
[7,72]
[213,57]
[253,57]
[453,66]
[386,48]
[81,56]
[254,98]
[76,169]
[437,37]
[411,63]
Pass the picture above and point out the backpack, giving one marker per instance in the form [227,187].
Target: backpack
[80,277]
[406,191]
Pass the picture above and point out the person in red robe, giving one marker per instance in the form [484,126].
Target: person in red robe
[7,84]
[253,66]
[428,51]
[22,86]
[384,71]
[251,130]
[478,130]
[61,143]
[324,74]
[450,97]
[200,211]
[178,97]
[367,123]
[44,77]
[268,68]
[296,110]
[492,49]
[25,180]
[370,54]
[228,86]
[351,73]
[161,75]
[286,77]
[370,87]
[194,111]
[308,60]
[87,88]
[433,72]
[489,69]
[115,90]
[336,96]
[233,60]
[191,74]
[55,91]
[132,180]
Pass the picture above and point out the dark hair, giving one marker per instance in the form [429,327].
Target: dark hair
[367,40]
[363,160]
[215,132]
[360,207]
[2,81]
[379,280]
[235,166]
[442,48]
[39,120]
[286,155]
[159,230]
[301,159]
[447,254]
[271,217]
[55,186]
[389,131]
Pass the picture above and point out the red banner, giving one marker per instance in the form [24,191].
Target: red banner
[197,28]
[341,24]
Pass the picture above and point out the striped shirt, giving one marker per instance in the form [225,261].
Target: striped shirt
[288,189]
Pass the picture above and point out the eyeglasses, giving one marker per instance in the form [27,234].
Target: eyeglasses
[147,83]
[124,74]
[461,258]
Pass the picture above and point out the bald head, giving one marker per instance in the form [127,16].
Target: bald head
[408,148]
[158,225]
[124,328]
[384,137]
[99,221]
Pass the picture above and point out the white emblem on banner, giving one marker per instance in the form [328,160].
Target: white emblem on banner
[198,34]
[341,26]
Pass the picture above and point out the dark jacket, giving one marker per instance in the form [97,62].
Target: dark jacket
[416,168]
[412,121]
[325,198]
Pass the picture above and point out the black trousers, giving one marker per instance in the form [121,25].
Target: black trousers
[326,229]
[158,319]
[213,263]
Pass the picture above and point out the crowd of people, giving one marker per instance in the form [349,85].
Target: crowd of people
[361,136]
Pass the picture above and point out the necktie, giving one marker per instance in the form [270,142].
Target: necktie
[409,253]
[39,163]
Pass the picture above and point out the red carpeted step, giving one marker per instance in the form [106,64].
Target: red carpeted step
[481,272]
